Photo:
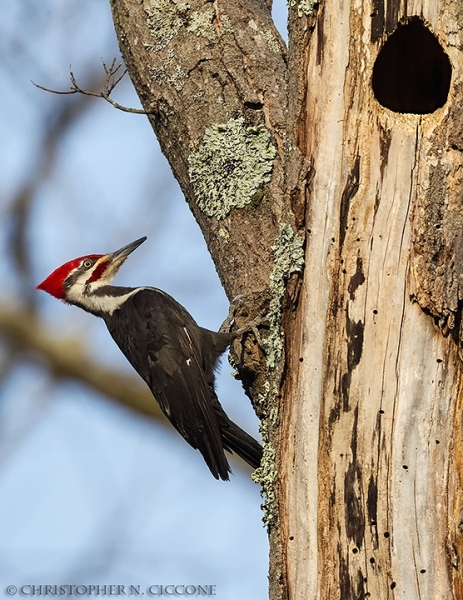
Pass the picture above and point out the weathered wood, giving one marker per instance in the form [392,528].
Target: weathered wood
[370,455]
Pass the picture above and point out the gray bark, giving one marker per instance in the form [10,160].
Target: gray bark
[276,155]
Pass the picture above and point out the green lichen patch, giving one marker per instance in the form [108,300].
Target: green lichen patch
[289,258]
[231,166]
[165,19]
[178,77]
[266,474]
[201,23]
[288,252]
[305,8]
[226,25]
[272,41]
[223,233]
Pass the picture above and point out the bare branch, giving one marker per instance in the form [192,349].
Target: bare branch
[110,83]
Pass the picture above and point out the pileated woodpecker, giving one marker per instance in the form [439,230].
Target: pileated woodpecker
[164,344]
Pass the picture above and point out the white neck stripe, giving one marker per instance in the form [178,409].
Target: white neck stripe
[96,303]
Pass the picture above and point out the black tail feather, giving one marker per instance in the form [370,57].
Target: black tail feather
[238,441]
[216,460]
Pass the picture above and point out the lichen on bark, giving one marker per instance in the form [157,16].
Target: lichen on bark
[288,252]
[289,258]
[165,19]
[267,473]
[231,166]
[305,8]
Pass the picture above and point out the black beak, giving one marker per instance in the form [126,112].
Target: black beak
[126,250]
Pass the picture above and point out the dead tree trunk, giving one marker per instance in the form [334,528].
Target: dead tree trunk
[371,443]
[349,149]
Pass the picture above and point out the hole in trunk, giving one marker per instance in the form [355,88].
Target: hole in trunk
[412,72]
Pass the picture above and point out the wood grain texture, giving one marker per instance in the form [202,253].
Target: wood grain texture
[370,463]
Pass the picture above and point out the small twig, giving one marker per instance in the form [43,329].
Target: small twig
[110,83]
[109,86]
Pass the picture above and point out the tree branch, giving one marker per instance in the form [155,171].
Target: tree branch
[112,79]
[217,75]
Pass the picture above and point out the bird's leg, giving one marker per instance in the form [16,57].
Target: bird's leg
[251,325]
[228,323]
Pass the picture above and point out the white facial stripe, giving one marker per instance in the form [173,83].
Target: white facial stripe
[97,303]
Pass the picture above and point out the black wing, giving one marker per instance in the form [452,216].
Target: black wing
[163,343]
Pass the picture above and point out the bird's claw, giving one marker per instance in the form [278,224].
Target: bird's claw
[251,326]
[228,323]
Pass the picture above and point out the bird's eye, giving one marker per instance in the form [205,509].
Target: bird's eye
[87,264]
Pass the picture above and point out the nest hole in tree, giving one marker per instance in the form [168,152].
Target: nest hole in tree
[412,72]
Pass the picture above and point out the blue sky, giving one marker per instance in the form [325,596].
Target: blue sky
[89,492]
